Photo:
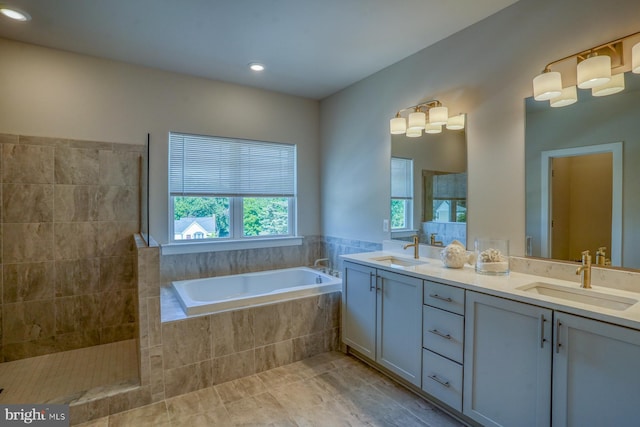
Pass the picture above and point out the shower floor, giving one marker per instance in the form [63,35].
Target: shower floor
[58,376]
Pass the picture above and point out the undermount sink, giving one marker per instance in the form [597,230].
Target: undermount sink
[393,261]
[584,296]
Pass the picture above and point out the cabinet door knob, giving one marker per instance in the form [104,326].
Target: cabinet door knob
[439,381]
[440,334]
[436,296]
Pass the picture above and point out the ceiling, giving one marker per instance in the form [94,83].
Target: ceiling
[310,48]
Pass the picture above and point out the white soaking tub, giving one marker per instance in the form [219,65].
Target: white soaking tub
[213,294]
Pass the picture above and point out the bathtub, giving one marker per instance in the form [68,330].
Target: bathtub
[213,294]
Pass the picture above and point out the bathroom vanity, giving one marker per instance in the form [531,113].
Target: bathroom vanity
[508,350]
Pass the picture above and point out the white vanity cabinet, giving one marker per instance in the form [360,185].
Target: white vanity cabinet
[507,362]
[511,348]
[443,342]
[382,318]
[596,373]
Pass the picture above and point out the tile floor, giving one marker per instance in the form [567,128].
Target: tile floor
[58,376]
[331,389]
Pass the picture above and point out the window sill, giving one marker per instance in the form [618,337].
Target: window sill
[196,247]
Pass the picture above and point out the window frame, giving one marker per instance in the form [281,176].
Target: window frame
[408,201]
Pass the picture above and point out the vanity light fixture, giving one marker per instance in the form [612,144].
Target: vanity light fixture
[429,116]
[14,13]
[593,71]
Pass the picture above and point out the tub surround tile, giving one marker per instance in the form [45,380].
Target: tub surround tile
[193,335]
[273,323]
[233,366]
[28,281]
[232,332]
[187,378]
[27,203]
[274,355]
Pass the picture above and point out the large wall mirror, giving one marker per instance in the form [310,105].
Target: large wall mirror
[583,178]
[429,187]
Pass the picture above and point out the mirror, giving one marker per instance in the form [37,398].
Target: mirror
[429,187]
[582,179]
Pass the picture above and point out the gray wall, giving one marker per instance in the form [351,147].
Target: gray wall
[485,71]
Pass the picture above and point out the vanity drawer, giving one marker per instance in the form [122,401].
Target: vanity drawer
[442,379]
[445,297]
[443,332]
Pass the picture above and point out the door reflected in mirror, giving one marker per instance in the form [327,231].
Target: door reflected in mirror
[429,187]
[581,177]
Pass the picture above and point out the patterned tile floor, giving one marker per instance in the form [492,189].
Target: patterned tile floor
[57,376]
[330,389]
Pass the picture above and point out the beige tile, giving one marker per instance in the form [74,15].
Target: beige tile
[28,164]
[24,203]
[241,388]
[151,415]
[136,398]
[100,422]
[118,167]
[186,342]
[117,273]
[76,165]
[77,277]
[76,240]
[77,313]
[118,203]
[117,307]
[233,366]
[187,378]
[280,376]
[28,321]
[116,237]
[28,281]
[262,409]
[214,417]
[310,315]
[232,332]
[274,355]
[76,203]
[27,242]
[329,413]
[300,395]
[273,323]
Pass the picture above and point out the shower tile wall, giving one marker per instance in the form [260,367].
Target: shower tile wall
[68,212]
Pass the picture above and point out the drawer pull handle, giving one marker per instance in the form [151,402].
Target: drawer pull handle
[439,381]
[436,296]
[542,338]
[372,286]
[558,345]
[440,334]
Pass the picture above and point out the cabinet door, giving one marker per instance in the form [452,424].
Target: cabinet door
[596,373]
[400,325]
[507,362]
[359,309]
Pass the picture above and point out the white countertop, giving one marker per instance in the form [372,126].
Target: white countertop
[506,287]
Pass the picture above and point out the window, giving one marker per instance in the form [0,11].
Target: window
[401,194]
[450,197]
[230,189]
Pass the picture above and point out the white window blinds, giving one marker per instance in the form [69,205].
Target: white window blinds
[401,178]
[208,165]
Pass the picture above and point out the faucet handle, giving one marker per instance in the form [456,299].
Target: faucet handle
[586,257]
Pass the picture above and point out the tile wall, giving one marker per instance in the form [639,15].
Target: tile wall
[68,210]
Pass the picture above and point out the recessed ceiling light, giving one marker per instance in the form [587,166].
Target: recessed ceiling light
[256,66]
[13,13]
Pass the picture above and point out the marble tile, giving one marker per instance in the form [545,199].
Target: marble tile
[154,415]
[77,313]
[76,166]
[187,378]
[118,167]
[27,281]
[117,307]
[28,164]
[76,203]
[274,355]
[100,422]
[233,366]
[155,327]
[118,203]
[27,242]
[232,332]
[117,273]
[309,315]
[116,238]
[262,409]
[329,413]
[134,398]
[156,371]
[280,376]
[309,345]
[273,323]
[27,203]
[77,277]
[76,240]
[186,342]
[27,321]
[193,403]
[241,388]
[300,395]
[95,410]
[109,334]
[214,417]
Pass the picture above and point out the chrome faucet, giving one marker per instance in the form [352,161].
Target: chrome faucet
[416,247]
[585,271]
